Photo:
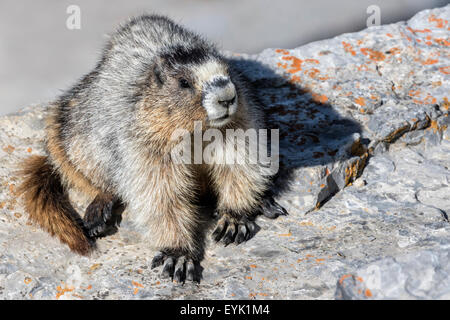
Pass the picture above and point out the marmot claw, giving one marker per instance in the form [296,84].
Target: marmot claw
[230,230]
[178,268]
[102,217]
[272,209]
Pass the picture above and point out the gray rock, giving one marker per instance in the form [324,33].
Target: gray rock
[419,275]
[364,144]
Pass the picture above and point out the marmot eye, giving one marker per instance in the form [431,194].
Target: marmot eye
[184,83]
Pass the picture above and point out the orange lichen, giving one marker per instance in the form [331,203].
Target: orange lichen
[361,101]
[286,234]
[394,50]
[373,55]
[414,93]
[27,280]
[263,294]
[428,100]
[282,51]
[363,67]
[61,291]
[348,48]
[248,277]
[253,266]
[95,266]
[295,78]
[405,36]
[312,61]
[435,127]
[324,78]
[345,276]
[137,284]
[429,61]
[296,65]
[353,170]
[368,293]
[417,30]
[313,72]
[445,70]
[319,98]
[442,42]
[440,23]
[445,105]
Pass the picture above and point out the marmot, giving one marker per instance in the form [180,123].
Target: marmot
[109,137]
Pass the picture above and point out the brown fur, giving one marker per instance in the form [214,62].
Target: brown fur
[48,204]
[70,176]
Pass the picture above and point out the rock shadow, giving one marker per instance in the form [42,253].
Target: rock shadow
[311,131]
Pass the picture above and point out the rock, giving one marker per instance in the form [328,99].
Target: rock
[364,148]
[419,275]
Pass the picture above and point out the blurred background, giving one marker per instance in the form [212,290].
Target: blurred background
[40,56]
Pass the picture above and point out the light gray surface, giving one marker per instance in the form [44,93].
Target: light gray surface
[39,56]
[382,130]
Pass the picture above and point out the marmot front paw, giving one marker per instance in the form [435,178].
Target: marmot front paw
[232,230]
[103,216]
[178,266]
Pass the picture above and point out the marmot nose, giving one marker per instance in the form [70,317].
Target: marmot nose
[228,102]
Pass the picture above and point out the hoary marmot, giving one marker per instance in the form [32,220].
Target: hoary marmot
[109,136]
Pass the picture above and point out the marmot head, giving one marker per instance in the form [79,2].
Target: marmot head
[182,77]
[193,84]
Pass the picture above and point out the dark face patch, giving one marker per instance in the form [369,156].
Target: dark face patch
[180,55]
[219,82]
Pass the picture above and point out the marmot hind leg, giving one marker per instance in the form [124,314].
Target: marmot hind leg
[103,215]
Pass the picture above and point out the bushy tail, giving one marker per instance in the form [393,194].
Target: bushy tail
[48,204]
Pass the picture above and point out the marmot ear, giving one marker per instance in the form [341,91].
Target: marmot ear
[159,77]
